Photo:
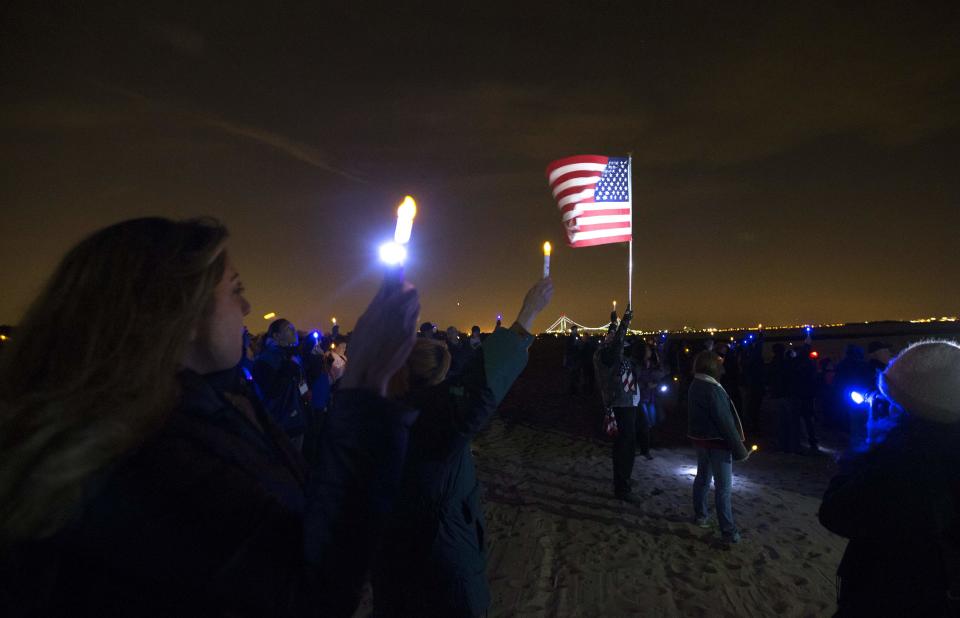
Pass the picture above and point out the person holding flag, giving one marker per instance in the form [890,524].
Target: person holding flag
[617,387]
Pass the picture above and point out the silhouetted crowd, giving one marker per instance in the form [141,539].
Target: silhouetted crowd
[162,461]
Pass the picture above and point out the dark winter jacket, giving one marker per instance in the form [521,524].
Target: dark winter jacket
[212,517]
[712,416]
[282,385]
[645,377]
[899,504]
[434,557]
[610,363]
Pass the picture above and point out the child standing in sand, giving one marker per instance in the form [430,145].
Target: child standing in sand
[714,427]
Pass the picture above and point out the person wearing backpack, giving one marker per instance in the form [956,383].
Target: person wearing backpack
[899,502]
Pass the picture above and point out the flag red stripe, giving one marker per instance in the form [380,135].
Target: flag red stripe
[593,242]
[577,174]
[577,189]
[576,159]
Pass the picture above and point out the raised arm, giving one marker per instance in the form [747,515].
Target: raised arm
[354,484]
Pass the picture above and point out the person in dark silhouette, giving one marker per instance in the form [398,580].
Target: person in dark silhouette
[898,502]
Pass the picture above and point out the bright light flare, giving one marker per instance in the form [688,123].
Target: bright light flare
[405,214]
[270,316]
[392,253]
[857,397]
[754,448]
[664,388]
[334,320]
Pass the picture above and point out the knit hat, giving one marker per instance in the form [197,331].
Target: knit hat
[925,381]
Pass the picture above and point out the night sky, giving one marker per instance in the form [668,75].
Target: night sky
[791,164]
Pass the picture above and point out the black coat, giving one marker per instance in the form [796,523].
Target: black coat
[899,504]
[213,517]
[434,556]
[280,377]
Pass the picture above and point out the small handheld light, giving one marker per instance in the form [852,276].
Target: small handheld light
[405,214]
[754,448]
[547,249]
[392,253]
[270,316]
[334,320]
[857,397]
[664,388]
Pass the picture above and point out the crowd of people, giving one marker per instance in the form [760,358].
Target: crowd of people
[162,461]
[804,393]
[897,494]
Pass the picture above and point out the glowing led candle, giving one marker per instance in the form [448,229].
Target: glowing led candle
[754,448]
[405,214]
[334,320]
[546,259]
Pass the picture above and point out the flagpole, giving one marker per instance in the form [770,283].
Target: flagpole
[630,249]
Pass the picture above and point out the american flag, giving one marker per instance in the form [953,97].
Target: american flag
[593,194]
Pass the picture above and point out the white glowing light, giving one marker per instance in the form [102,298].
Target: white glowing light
[392,253]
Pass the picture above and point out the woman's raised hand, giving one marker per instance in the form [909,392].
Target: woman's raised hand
[383,337]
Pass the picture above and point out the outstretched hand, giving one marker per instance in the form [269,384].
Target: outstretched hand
[383,338]
[536,300]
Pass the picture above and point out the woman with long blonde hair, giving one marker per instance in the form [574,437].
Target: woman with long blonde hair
[135,480]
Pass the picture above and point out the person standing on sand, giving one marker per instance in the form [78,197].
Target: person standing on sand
[899,502]
[617,387]
[433,558]
[714,427]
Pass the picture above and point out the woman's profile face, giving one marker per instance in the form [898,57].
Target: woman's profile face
[220,336]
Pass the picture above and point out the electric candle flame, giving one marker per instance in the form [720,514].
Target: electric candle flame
[547,248]
[405,214]
[334,320]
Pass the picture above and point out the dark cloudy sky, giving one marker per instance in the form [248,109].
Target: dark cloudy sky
[794,162]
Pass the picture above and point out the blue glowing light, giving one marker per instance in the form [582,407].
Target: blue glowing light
[664,388]
[857,398]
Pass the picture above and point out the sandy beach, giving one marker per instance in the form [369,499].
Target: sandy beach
[561,545]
